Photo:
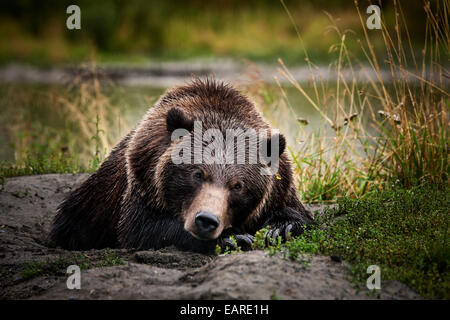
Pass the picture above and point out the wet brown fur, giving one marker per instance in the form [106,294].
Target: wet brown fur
[122,204]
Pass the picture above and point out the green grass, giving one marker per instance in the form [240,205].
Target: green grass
[38,268]
[59,265]
[403,231]
[43,164]
[379,130]
[65,129]
[110,258]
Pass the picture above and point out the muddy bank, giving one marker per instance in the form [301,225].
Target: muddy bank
[29,269]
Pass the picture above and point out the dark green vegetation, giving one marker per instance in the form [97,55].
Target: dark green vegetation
[59,265]
[141,30]
[403,231]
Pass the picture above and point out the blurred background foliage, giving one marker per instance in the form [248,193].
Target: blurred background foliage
[142,30]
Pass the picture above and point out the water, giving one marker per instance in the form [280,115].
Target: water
[36,116]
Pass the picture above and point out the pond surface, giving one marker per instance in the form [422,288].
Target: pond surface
[43,116]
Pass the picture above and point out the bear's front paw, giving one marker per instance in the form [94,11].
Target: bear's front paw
[286,231]
[244,241]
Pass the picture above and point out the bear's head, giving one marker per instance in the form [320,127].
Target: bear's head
[209,185]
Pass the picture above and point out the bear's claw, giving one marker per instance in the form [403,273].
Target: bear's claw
[244,241]
[285,231]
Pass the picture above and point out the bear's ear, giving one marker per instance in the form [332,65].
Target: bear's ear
[267,144]
[176,119]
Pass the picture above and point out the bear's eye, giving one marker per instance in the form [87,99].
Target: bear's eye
[237,186]
[198,175]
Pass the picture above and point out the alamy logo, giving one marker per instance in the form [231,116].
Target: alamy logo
[74,280]
[374,281]
[374,20]
[74,20]
[237,147]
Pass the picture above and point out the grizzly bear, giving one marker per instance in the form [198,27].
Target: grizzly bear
[143,197]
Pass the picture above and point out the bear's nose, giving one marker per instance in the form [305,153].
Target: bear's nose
[206,222]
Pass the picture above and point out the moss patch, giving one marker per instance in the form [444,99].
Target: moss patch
[404,232]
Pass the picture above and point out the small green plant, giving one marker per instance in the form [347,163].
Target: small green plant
[110,258]
[274,296]
[32,269]
[290,249]
[235,248]
[38,268]
[259,242]
[309,242]
[275,245]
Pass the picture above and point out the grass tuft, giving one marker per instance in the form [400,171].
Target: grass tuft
[376,127]
[59,265]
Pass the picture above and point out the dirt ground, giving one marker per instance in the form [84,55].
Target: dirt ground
[31,270]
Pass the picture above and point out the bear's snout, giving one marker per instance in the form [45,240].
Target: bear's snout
[207,215]
[206,223]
